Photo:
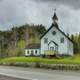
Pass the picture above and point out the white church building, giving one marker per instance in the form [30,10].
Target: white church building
[55,41]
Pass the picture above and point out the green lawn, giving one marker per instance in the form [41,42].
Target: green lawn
[65,60]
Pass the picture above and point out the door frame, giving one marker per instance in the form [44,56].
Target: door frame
[56,46]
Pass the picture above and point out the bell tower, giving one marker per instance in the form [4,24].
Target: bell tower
[55,18]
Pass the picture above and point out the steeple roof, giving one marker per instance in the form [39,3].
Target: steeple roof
[55,18]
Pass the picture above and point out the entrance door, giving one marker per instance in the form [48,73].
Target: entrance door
[52,46]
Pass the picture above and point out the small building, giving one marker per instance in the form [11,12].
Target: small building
[32,50]
[54,40]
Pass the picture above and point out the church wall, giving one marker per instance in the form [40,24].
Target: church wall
[70,48]
[62,47]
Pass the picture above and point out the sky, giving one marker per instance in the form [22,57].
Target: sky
[19,12]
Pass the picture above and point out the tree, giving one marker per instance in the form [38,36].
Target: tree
[78,43]
[75,46]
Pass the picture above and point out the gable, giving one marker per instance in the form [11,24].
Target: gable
[58,30]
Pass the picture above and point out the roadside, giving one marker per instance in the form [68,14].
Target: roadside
[63,63]
[39,74]
[2,77]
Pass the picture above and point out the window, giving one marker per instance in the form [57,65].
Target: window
[28,52]
[54,32]
[62,40]
[52,48]
[32,52]
[45,40]
[36,51]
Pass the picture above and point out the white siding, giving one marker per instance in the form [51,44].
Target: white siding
[70,48]
[62,47]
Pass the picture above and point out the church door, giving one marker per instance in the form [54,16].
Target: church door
[52,46]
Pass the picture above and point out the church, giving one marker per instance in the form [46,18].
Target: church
[55,41]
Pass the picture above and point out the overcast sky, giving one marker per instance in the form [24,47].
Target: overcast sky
[18,12]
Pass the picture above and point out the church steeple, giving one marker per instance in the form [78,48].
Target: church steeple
[55,18]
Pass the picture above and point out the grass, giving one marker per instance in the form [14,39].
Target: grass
[64,60]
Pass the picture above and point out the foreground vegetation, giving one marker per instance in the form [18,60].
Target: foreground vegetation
[64,60]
